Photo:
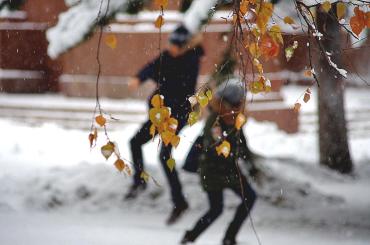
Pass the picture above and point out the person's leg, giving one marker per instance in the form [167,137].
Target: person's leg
[215,200]
[141,137]
[248,196]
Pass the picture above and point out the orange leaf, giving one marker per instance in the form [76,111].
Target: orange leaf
[100,120]
[240,121]
[269,48]
[358,22]
[111,41]
[308,73]
[159,22]
[119,164]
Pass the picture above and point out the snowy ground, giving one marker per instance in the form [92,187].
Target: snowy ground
[53,190]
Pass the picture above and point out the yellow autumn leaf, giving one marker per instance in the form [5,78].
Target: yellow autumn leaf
[209,94]
[175,140]
[145,176]
[202,99]
[341,10]
[275,33]
[166,137]
[326,6]
[172,125]
[159,115]
[152,130]
[100,120]
[254,50]
[171,163]
[107,150]
[159,22]
[289,20]
[224,148]
[157,101]
[193,118]
[119,164]
[111,41]
[240,121]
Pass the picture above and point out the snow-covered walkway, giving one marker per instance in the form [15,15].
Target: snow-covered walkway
[53,190]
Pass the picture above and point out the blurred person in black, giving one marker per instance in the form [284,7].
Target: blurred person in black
[175,73]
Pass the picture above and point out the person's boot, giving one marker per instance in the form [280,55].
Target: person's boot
[134,191]
[177,212]
[228,241]
[188,238]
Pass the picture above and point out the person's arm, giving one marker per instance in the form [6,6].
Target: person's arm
[147,72]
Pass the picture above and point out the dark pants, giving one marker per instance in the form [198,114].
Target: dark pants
[215,199]
[142,137]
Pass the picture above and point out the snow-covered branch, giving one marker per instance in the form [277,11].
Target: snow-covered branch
[197,14]
[78,21]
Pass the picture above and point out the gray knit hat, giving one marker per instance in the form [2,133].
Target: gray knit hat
[231,91]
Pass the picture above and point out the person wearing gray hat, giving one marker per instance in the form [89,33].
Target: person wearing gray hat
[219,169]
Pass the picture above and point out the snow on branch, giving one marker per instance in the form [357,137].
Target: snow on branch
[78,21]
[197,14]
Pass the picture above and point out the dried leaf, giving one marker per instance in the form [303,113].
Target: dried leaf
[297,107]
[166,137]
[120,164]
[240,121]
[171,164]
[307,95]
[224,148]
[100,120]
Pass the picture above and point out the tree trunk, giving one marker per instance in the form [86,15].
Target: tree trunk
[333,141]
